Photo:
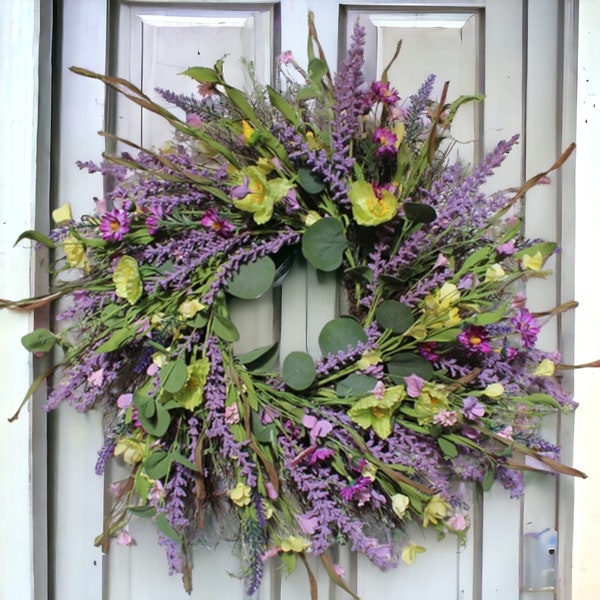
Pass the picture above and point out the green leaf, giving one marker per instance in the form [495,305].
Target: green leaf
[166,528]
[35,236]
[317,69]
[142,511]
[419,213]
[265,434]
[40,340]
[182,460]
[538,398]
[394,315]
[361,273]
[202,74]
[225,329]
[356,384]
[324,243]
[480,255]
[288,560]
[298,371]
[488,480]
[173,375]
[283,106]
[253,279]
[158,464]
[154,417]
[546,249]
[488,318]
[405,364]
[260,358]
[117,339]
[445,335]
[340,334]
[447,447]
[309,182]
[142,486]
[307,93]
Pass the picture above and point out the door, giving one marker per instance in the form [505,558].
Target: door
[511,50]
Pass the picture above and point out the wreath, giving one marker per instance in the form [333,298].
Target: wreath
[430,379]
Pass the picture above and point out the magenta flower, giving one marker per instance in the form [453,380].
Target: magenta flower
[114,225]
[383,92]
[211,220]
[386,140]
[427,350]
[475,339]
[153,219]
[359,490]
[472,409]
[320,455]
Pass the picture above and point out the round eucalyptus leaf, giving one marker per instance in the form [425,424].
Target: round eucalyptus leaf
[394,315]
[253,279]
[323,244]
[356,384]
[404,364]
[419,213]
[341,334]
[309,182]
[173,375]
[298,370]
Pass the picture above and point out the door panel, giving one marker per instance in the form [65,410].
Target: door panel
[497,47]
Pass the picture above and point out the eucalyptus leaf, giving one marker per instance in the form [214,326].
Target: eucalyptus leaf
[404,364]
[356,384]
[253,279]
[324,243]
[158,464]
[298,371]
[260,358]
[419,213]
[39,340]
[173,375]
[394,315]
[309,182]
[341,334]
[225,329]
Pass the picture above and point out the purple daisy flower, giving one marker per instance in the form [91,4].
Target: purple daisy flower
[526,326]
[114,225]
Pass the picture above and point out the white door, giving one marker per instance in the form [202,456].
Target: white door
[514,52]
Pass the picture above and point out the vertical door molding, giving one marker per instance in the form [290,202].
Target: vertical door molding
[25,38]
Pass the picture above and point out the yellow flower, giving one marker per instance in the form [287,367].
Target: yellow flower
[240,494]
[400,131]
[431,400]
[189,308]
[127,279]
[374,412]
[159,359]
[75,253]
[437,508]
[533,263]
[293,543]
[62,214]
[249,134]
[440,306]
[313,142]
[400,503]
[312,216]
[368,359]
[495,273]
[259,194]
[545,368]
[494,390]
[409,553]
[371,209]
[133,451]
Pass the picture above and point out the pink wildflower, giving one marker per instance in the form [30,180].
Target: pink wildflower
[444,417]
[457,522]
[386,140]
[232,414]
[211,220]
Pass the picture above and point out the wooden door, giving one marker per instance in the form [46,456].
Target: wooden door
[511,50]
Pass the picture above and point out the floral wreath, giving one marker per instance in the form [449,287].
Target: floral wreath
[431,379]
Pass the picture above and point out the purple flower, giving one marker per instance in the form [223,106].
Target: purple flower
[359,490]
[507,249]
[153,219]
[383,92]
[472,409]
[320,455]
[239,192]
[524,323]
[114,225]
